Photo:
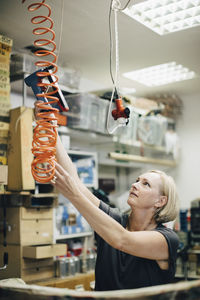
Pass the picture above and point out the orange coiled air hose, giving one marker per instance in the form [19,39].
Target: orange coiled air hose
[45,134]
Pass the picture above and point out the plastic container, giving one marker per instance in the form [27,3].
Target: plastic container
[22,63]
[79,113]
[87,111]
[128,134]
[152,129]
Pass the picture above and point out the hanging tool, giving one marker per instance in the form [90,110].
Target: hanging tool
[36,83]
[45,133]
[120,113]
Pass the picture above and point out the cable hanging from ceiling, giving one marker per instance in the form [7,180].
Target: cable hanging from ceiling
[120,114]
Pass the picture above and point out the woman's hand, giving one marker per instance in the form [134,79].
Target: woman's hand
[65,183]
[41,111]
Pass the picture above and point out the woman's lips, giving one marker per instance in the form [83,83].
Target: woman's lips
[132,193]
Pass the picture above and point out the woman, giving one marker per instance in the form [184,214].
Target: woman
[133,250]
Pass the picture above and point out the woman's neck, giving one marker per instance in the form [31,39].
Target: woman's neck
[138,221]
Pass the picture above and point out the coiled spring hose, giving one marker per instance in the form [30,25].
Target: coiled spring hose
[45,134]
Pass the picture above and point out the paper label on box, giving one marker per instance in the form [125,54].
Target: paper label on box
[4,108]
[45,234]
[4,79]
[6,40]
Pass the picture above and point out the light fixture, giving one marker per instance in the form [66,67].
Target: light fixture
[127,90]
[160,74]
[166,16]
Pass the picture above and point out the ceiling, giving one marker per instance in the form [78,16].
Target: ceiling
[85,42]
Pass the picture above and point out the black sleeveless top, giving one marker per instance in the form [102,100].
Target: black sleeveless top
[118,270]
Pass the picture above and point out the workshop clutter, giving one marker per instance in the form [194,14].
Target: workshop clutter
[30,248]
[5,51]
[85,168]
[146,123]
[188,260]
[24,63]
[69,220]
[73,264]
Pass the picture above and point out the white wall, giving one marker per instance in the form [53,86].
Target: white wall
[188,172]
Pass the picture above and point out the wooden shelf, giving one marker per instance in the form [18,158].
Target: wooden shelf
[43,195]
[71,282]
[141,159]
[193,251]
[73,235]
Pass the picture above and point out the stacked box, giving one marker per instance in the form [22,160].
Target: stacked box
[30,245]
[5,51]
[20,156]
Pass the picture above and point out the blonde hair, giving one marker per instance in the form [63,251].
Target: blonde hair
[170,210]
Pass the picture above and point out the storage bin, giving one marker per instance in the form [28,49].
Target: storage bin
[99,110]
[68,78]
[22,63]
[152,129]
[87,111]
[79,113]
[128,134]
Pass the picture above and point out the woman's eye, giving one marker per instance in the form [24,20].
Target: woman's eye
[146,183]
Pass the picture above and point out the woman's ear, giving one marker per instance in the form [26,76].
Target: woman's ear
[161,202]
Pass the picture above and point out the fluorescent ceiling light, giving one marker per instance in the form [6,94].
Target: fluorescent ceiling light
[127,90]
[160,74]
[166,16]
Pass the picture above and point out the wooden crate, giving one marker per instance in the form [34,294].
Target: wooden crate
[20,156]
[26,268]
[28,226]
[71,282]
[3,174]
[29,200]
[44,251]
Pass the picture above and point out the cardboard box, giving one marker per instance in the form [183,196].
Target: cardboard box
[44,251]
[5,108]
[3,160]
[27,269]
[6,40]
[28,226]
[4,174]
[20,156]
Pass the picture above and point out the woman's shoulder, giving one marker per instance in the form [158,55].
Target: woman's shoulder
[168,233]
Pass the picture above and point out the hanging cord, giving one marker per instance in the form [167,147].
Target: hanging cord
[116,6]
[111,42]
[61,30]
[125,6]
[45,132]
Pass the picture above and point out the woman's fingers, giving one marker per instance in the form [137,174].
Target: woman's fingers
[60,169]
[59,175]
[37,109]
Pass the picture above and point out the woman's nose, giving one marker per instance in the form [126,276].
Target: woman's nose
[134,185]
